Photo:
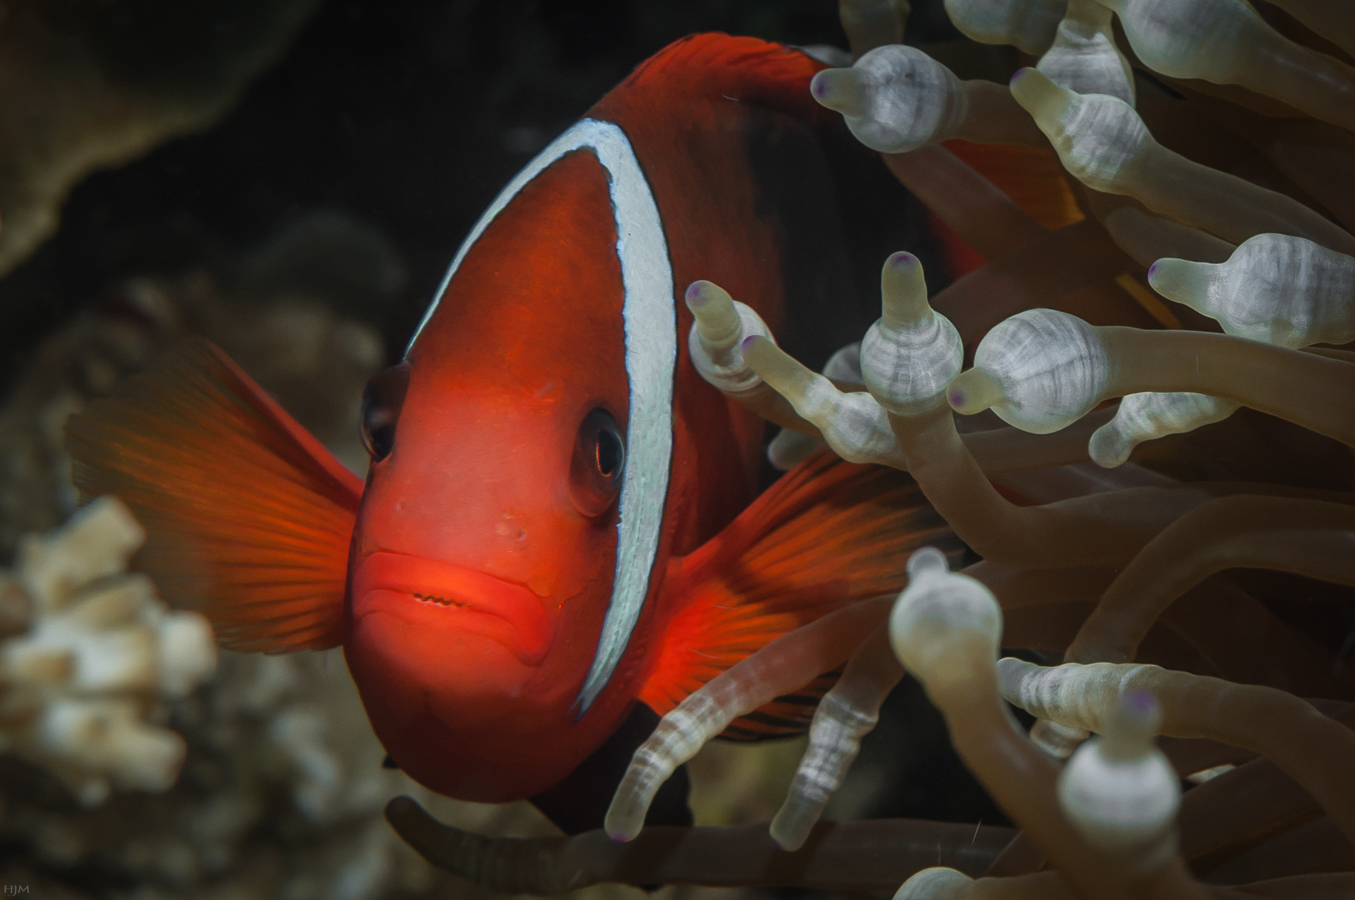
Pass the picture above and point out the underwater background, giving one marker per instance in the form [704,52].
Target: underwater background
[289,178]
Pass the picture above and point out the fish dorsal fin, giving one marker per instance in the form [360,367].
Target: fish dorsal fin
[827,534]
[742,69]
[248,517]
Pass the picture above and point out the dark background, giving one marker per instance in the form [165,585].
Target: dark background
[407,116]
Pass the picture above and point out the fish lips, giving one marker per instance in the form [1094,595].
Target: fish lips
[430,593]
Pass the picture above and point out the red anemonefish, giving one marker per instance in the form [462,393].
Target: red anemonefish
[560,519]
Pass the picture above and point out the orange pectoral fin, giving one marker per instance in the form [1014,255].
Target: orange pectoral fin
[828,534]
[1033,177]
[248,517]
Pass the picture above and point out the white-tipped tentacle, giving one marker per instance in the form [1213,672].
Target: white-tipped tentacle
[1122,794]
[1275,288]
[911,353]
[936,883]
[853,425]
[896,99]
[786,664]
[1308,746]
[1104,144]
[1227,42]
[790,448]
[1084,57]
[1042,378]
[720,327]
[1152,415]
[1029,25]
[846,714]
[938,608]
[1040,370]
[899,98]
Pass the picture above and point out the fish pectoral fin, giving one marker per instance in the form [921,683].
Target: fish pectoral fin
[827,534]
[1032,177]
[248,517]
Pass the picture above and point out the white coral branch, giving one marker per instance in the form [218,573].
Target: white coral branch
[80,685]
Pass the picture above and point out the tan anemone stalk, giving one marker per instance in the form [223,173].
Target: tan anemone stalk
[1249,249]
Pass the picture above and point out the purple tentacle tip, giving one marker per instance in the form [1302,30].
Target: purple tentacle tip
[1141,703]
[748,341]
[695,294]
[1017,74]
[1153,269]
[956,398]
[819,87]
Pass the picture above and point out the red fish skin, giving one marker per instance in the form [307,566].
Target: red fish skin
[527,338]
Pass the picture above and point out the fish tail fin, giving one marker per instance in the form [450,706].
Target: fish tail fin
[827,534]
[248,517]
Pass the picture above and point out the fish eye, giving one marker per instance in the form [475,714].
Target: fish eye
[599,458]
[381,403]
[611,453]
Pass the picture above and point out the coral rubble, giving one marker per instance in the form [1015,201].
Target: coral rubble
[95,650]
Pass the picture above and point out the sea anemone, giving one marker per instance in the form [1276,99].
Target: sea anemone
[1207,145]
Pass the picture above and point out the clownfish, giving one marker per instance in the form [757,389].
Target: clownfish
[561,523]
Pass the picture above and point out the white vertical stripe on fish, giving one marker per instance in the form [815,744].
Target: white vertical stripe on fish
[651,357]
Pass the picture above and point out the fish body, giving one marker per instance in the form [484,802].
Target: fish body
[608,236]
[561,518]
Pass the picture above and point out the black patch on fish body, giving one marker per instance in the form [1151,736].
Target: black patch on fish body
[839,214]
[579,801]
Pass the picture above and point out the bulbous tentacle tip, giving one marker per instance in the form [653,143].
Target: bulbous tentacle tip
[1037,94]
[1180,280]
[936,883]
[839,90]
[786,835]
[721,324]
[710,303]
[1108,447]
[699,293]
[927,561]
[903,291]
[902,261]
[939,614]
[1132,725]
[621,823]
[973,391]
[1119,790]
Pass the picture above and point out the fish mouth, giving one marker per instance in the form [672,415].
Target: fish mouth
[430,593]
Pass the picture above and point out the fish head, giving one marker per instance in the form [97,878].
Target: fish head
[486,545]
